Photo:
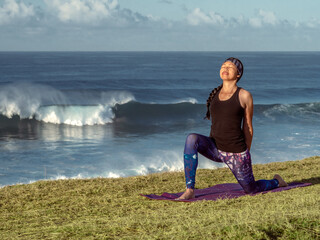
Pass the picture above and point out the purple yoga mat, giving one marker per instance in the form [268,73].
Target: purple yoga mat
[220,191]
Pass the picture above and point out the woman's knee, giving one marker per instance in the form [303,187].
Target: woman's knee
[191,145]
[248,188]
[191,139]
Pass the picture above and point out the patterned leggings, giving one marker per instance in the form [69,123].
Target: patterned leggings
[239,164]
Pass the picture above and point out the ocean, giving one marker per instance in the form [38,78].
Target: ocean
[116,114]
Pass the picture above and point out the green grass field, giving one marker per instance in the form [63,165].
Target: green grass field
[104,208]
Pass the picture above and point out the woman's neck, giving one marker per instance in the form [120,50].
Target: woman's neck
[229,87]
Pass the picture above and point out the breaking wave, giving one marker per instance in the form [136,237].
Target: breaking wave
[46,104]
[49,105]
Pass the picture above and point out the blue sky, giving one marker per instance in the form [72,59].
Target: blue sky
[159,25]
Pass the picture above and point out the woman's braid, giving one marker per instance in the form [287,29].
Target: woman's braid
[211,96]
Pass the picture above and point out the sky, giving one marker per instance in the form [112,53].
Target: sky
[159,25]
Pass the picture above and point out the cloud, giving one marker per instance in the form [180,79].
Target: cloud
[313,23]
[104,25]
[263,18]
[97,13]
[268,17]
[12,10]
[197,17]
[83,11]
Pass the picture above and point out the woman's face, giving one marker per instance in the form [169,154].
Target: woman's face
[229,71]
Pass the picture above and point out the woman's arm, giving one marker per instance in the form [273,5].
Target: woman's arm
[246,102]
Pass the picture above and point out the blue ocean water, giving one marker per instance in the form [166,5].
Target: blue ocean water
[117,114]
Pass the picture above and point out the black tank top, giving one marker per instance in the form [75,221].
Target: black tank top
[227,117]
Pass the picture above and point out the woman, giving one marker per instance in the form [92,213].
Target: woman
[231,110]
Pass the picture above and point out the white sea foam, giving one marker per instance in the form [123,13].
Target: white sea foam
[113,175]
[187,100]
[183,100]
[49,105]
[25,99]
[75,115]
[169,161]
[62,177]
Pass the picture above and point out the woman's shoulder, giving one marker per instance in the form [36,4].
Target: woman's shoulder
[244,93]
[245,97]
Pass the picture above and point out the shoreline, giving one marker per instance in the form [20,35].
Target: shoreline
[149,174]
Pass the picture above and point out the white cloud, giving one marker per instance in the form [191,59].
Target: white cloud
[268,17]
[13,10]
[313,23]
[263,17]
[83,11]
[197,17]
[95,13]
[86,24]
[255,22]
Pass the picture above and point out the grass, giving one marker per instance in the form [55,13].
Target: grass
[103,208]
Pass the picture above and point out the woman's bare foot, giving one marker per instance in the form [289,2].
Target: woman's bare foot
[188,194]
[282,183]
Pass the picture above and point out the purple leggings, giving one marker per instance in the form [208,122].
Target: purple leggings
[239,164]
